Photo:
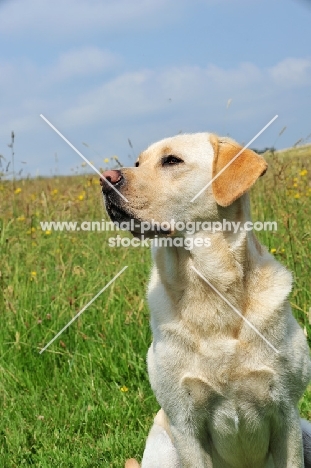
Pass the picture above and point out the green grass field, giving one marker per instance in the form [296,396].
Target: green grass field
[86,401]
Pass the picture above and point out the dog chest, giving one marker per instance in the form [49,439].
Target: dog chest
[234,411]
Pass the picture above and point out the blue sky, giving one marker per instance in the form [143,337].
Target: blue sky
[105,71]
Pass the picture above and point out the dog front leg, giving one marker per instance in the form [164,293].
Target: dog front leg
[160,451]
[190,452]
[286,443]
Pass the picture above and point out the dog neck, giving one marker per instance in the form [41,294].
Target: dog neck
[223,263]
[224,260]
[236,265]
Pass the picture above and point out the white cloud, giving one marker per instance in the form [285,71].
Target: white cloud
[150,92]
[80,62]
[25,81]
[144,93]
[72,18]
[75,17]
[292,72]
[143,104]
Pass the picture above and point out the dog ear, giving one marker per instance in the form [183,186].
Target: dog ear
[239,176]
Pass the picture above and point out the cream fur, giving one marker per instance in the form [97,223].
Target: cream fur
[230,401]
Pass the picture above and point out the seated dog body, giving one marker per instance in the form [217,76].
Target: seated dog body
[228,362]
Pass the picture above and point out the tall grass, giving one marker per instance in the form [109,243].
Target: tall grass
[86,401]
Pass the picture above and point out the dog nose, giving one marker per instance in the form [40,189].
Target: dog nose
[112,176]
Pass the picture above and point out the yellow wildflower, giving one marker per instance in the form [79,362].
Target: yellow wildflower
[18,190]
[33,276]
[54,192]
[303,172]
[81,197]
[295,184]
[297,195]
[124,389]
[21,218]
[106,160]
[47,233]
[273,250]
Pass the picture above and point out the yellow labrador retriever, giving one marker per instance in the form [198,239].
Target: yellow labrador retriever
[228,362]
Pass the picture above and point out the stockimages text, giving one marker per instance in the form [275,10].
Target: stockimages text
[162,234]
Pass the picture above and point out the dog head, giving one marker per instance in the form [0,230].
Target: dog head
[170,173]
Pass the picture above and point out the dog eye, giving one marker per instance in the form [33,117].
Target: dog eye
[170,160]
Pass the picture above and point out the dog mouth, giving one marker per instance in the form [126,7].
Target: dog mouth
[123,218]
[128,221]
[117,213]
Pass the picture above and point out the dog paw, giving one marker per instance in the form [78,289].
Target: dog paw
[132,463]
